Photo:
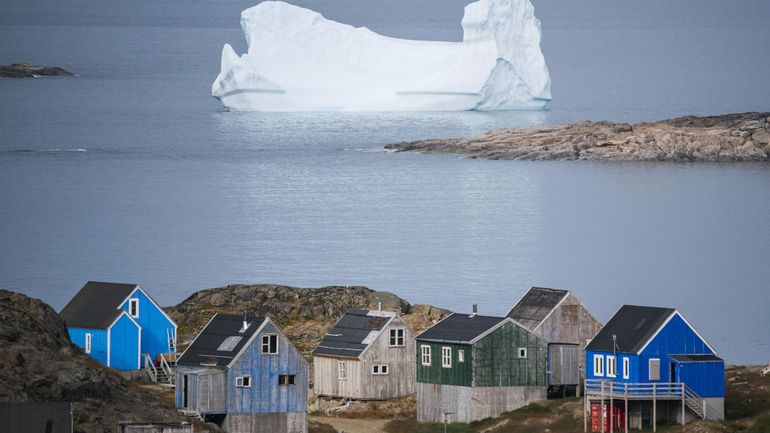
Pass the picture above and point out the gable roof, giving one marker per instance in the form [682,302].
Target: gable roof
[633,325]
[353,333]
[96,305]
[220,341]
[460,328]
[536,305]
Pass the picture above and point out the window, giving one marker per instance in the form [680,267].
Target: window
[461,355]
[88,343]
[425,352]
[133,307]
[270,344]
[612,366]
[654,369]
[397,337]
[446,357]
[243,382]
[379,370]
[626,368]
[287,379]
[522,352]
[598,365]
[342,370]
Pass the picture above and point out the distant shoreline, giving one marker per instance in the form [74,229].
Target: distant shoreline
[723,138]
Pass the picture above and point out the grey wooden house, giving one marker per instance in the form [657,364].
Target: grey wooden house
[367,355]
[565,323]
[243,374]
[471,367]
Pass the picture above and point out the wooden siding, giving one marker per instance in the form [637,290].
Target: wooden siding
[211,394]
[461,373]
[496,360]
[124,345]
[563,364]
[265,394]
[470,404]
[98,342]
[154,324]
[327,382]
[266,423]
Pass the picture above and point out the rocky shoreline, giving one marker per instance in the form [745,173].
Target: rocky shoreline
[29,70]
[729,137]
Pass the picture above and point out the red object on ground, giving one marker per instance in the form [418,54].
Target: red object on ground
[618,417]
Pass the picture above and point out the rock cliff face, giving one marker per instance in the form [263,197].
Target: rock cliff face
[304,314]
[731,137]
[38,362]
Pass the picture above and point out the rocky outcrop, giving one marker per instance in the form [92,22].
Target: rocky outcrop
[304,314]
[731,137]
[28,70]
[38,362]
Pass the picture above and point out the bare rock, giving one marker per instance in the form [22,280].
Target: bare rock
[28,70]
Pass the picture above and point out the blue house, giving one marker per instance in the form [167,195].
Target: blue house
[119,324]
[653,365]
[243,374]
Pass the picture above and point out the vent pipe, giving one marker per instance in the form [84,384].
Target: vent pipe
[475,311]
[379,306]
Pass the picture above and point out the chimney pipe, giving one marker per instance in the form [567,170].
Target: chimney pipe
[475,311]
[379,306]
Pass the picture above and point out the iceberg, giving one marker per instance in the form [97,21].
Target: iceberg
[297,60]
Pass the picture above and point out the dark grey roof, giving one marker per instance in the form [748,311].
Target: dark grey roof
[205,348]
[353,333]
[696,358]
[633,326]
[535,305]
[96,304]
[459,328]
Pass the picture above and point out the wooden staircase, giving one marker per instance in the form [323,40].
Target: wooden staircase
[165,372]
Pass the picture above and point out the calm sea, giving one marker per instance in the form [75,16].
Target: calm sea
[132,172]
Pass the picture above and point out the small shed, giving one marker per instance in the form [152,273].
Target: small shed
[242,373]
[471,367]
[565,323]
[119,324]
[367,355]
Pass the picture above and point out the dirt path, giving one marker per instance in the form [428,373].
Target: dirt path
[353,425]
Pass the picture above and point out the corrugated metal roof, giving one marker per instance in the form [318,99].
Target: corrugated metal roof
[96,304]
[459,328]
[696,358]
[205,350]
[353,333]
[536,304]
[633,325]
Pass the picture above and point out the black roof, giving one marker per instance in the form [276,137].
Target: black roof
[212,348]
[96,304]
[460,328]
[633,326]
[696,358]
[353,333]
[535,305]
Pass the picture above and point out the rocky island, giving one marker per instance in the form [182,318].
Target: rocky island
[29,70]
[730,137]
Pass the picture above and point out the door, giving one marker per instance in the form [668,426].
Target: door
[672,375]
[184,392]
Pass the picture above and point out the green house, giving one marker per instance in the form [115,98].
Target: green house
[471,367]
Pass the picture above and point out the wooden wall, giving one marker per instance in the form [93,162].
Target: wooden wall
[293,422]
[469,403]
[461,373]
[326,380]
[496,360]
[212,392]
[563,361]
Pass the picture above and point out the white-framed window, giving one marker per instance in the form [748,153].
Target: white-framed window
[446,357]
[379,370]
[654,367]
[133,307]
[626,367]
[612,366]
[270,344]
[88,342]
[461,355]
[598,365]
[342,370]
[522,352]
[243,382]
[397,337]
[425,354]
[287,379]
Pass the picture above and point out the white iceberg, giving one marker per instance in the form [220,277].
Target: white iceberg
[299,61]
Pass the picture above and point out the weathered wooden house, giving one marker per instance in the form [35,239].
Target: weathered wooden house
[119,324]
[367,355]
[245,375]
[565,323]
[649,364]
[471,367]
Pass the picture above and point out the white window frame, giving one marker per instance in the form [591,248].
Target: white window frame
[88,342]
[397,337]
[243,381]
[649,368]
[133,308]
[446,357]
[522,352]
[380,370]
[599,365]
[425,355]
[460,355]
[268,337]
[626,367]
[612,366]
[342,370]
